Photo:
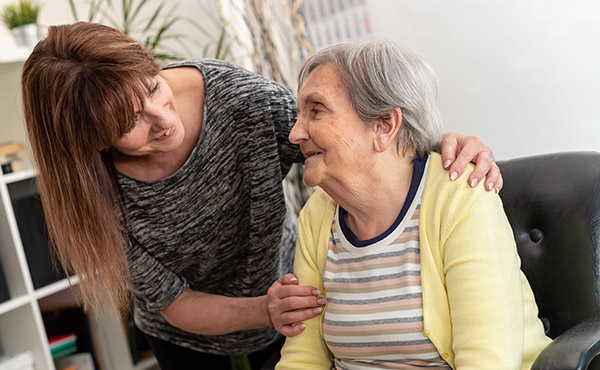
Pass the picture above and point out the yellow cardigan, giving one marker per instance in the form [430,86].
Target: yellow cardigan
[478,308]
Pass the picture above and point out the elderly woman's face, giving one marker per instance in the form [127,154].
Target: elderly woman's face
[334,140]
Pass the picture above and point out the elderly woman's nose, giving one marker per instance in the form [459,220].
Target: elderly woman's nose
[298,133]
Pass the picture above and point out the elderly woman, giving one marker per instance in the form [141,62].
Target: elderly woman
[416,270]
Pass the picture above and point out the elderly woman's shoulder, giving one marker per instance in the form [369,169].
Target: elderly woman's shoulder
[439,178]
[319,198]
[318,201]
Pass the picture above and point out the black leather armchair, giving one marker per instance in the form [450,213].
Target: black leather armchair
[553,205]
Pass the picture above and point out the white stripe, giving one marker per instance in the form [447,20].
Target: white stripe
[370,295]
[374,338]
[409,314]
[409,267]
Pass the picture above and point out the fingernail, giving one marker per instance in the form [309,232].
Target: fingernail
[497,190]
[474,182]
[321,301]
[318,310]
[293,279]
[302,326]
[316,292]
[453,175]
[447,163]
[490,185]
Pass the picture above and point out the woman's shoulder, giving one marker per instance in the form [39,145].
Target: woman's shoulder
[438,176]
[215,69]
[440,188]
[223,69]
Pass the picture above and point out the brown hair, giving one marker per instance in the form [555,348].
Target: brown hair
[81,87]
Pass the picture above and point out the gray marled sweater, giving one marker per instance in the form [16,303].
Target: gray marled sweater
[219,224]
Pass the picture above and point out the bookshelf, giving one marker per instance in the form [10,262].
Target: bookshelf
[22,326]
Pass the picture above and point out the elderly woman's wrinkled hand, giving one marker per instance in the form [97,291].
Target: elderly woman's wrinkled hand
[289,304]
[459,150]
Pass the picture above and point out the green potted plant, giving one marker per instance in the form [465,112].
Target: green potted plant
[153,23]
[21,19]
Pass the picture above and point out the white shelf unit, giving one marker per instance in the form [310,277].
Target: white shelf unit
[21,324]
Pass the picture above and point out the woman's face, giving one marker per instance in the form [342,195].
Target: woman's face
[334,140]
[157,128]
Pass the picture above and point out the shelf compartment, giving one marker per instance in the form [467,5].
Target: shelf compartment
[29,217]
[19,333]
[12,256]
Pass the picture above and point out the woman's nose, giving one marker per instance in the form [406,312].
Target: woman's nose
[298,134]
[162,116]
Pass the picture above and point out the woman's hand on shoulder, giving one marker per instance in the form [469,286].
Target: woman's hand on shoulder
[458,150]
[289,304]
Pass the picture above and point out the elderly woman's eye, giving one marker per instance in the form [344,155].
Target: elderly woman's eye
[317,109]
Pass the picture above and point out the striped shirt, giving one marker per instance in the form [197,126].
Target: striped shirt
[374,313]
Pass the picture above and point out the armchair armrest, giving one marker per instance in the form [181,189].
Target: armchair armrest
[573,349]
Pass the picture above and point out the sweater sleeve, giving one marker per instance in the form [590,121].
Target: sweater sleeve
[482,273]
[282,106]
[308,350]
[154,285]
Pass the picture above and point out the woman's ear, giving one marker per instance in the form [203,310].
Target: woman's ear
[385,130]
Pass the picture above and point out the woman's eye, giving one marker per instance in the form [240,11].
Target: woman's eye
[133,124]
[155,88]
[317,109]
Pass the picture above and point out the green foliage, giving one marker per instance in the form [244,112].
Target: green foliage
[20,13]
[240,362]
[153,30]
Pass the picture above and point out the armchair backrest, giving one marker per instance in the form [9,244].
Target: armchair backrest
[553,205]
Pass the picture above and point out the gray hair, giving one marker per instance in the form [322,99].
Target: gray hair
[380,76]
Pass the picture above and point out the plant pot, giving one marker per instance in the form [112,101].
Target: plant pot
[26,35]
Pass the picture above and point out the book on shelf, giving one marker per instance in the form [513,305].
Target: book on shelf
[69,333]
[62,345]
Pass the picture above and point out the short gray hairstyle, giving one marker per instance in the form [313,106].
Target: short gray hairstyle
[380,76]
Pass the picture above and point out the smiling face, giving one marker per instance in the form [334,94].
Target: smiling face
[157,128]
[334,140]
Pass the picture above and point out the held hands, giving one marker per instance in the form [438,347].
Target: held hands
[289,304]
[458,150]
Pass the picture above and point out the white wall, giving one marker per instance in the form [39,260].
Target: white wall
[524,75]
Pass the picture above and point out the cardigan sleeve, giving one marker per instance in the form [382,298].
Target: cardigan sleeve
[308,350]
[482,275]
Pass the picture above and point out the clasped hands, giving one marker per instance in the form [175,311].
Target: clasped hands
[289,304]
